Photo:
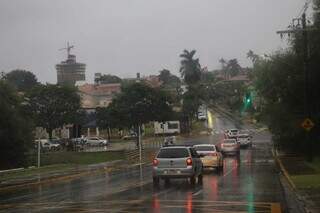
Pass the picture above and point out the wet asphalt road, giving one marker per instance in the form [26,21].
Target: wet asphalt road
[249,183]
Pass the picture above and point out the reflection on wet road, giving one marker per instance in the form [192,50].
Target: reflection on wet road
[249,183]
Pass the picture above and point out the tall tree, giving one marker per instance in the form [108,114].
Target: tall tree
[252,56]
[168,79]
[108,79]
[15,128]
[136,105]
[53,106]
[223,63]
[233,67]
[23,80]
[190,68]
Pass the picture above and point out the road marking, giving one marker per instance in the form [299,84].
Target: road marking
[137,206]
[227,173]
[275,208]
[197,193]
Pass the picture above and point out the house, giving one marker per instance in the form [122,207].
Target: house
[93,96]
[98,95]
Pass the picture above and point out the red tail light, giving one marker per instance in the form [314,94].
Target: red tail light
[155,162]
[189,162]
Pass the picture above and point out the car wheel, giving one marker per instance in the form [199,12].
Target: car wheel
[101,144]
[192,180]
[221,168]
[200,179]
[156,181]
[166,181]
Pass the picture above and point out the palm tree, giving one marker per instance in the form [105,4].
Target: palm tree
[252,56]
[233,67]
[190,68]
[223,62]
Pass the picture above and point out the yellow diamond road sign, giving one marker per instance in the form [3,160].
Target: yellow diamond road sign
[307,124]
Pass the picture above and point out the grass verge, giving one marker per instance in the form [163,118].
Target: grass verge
[80,158]
[62,162]
[306,181]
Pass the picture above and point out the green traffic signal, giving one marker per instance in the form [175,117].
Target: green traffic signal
[248,98]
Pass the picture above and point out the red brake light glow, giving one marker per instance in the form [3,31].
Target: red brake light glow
[189,162]
[155,162]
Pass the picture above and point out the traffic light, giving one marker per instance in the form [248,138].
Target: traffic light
[248,98]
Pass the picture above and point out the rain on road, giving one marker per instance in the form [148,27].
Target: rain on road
[249,183]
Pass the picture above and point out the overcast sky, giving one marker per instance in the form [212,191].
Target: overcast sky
[123,37]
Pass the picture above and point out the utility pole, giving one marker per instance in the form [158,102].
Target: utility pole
[307,113]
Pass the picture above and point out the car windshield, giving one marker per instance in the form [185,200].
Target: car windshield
[173,153]
[229,141]
[243,136]
[204,148]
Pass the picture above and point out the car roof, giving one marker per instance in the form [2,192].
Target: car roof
[204,145]
[173,146]
[244,134]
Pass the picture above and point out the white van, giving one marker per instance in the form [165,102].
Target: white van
[167,127]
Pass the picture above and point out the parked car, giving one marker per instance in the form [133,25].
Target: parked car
[130,136]
[79,143]
[244,140]
[230,146]
[96,141]
[177,162]
[54,145]
[47,145]
[210,156]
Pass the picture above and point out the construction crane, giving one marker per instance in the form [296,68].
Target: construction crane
[68,48]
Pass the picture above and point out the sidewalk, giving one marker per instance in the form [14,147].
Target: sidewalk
[304,179]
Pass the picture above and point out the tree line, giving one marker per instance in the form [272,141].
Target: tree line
[279,79]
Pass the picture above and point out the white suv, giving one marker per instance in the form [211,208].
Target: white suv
[96,141]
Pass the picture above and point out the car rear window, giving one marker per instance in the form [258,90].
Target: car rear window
[229,141]
[205,148]
[173,153]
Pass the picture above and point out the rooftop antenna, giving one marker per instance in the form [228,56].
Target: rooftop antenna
[68,48]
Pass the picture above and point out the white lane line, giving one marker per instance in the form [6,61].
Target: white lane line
[197,193]
[227,173]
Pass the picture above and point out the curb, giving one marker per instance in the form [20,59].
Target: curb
[291,185]
[283,170]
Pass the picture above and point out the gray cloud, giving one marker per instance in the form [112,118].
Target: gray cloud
[123,37]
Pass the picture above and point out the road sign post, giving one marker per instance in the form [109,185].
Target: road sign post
[39,144]
[38,135]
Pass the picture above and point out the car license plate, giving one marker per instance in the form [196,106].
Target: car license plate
[172,172]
